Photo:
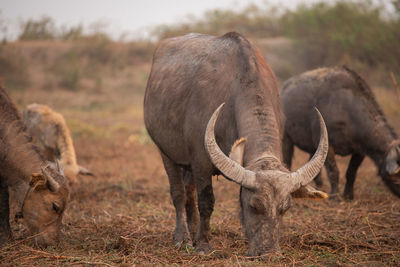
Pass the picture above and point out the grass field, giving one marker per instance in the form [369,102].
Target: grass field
[124,216]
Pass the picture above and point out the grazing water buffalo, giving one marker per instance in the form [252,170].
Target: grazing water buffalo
[41,191]
[356,124]
[51,134]
[191,77]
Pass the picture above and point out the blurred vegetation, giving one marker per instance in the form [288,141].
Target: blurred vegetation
[42,29]
[67,68]
[91,60]
[14,71]
[253,21]
[363,34]
[325,33]
[345,31]
[67,57]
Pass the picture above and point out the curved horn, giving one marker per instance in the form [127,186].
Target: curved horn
[229,168]
[306,173]
[52,184]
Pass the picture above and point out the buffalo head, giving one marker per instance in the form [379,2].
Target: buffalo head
[44,204]
[265,192]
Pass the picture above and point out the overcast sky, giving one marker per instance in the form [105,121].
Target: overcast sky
[134,17]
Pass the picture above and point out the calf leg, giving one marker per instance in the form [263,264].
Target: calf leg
[205,203]
[333,172]
[355,162]
[177,190]
[192,213]
[5,230]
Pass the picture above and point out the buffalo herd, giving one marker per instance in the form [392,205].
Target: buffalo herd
[212,106]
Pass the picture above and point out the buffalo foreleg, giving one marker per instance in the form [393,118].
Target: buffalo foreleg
[205,203]
[192,213]
[177,190]
[355,162]
[5,230]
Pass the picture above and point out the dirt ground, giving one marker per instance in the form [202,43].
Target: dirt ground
[124,216]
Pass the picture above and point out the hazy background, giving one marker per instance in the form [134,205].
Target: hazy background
[120,18]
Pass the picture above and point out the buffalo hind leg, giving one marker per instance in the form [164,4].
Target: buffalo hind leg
[177,191]
[333,172]
[318,179]
[287,151]
[192,213]
[205,201]
[5,230]
[355,162]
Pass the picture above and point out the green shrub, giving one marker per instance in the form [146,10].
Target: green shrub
[14,68]
[253,21]
[98,49]
[70,78]
[139,51]
[352,30]
[42,29]
[325,33]
[67,69]
[73,33]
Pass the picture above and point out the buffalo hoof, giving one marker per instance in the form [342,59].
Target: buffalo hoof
[203,249]
[182,239]
[185,245]
[5,237]
[268,257]
[348,197]
[334,197]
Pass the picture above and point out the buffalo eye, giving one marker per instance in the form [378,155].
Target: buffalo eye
[257,205]
[56,208]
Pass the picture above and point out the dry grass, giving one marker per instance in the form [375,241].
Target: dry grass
[124,215]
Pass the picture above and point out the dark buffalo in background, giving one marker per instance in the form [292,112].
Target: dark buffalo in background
[191,77]
[41,190]
[355,122]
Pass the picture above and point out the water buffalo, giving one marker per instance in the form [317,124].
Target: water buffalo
[41,190]
[191,77]
[355,122]
[51,134]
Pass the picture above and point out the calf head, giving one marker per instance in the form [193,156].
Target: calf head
[44,205]
[265,192]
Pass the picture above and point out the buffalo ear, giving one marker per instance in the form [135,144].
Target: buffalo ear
[309,192]
[38,181]
[237,151]
[85,171]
